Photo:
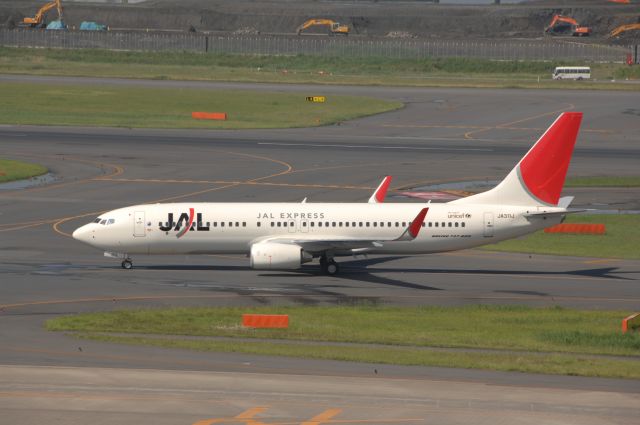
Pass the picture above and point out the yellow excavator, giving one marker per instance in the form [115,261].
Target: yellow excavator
[38,20]
[334,27]
[624,28]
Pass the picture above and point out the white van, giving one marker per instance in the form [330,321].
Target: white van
[571,73]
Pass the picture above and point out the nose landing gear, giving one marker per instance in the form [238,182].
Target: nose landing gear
[127,264]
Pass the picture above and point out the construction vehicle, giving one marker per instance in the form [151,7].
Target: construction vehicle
[623,28]
[38,20]
[334,27]
[560,23]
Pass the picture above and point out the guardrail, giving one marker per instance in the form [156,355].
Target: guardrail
[506,49]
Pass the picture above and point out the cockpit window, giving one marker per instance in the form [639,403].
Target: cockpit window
[97,220]
[111,221]
[103,222]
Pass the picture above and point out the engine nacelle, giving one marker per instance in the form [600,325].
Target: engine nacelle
[278,256]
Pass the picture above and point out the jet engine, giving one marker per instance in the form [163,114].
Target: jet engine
[278,256]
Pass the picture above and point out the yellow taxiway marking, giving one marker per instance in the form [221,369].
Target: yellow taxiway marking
[323,417]
[248,418]
[601,261]
[477,127]
[468,134]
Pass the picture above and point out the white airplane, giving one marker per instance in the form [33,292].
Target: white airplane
[283,236]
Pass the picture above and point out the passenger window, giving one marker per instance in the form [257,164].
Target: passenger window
[304,224]
[430,224]
[444,224]
[326,224]
[404,224]
[353,224]
[375,224]
[449,224]
[222,224]
[273,224]
[346,224]
[312,223]
[456,224]
[319,224]
[462,224]
[397,224]
[360,224]
[333,224]
[367,224]
[258,224]
[279,224]
[231,224]
[436,224]
[284,224]
[340,224]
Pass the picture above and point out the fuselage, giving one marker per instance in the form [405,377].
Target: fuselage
[232,228]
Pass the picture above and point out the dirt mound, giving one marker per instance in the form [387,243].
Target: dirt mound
[375,19]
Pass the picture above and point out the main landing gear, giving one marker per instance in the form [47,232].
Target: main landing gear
[329,265]
[127,264]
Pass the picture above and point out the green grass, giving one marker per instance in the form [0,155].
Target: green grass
[621,240]
[543,340]
[558,364]
[92,105]
[604,181]
[11,170]
[456,72]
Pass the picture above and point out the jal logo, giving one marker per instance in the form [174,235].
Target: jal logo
[184,223]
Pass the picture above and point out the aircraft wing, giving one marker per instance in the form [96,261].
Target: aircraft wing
[317,244]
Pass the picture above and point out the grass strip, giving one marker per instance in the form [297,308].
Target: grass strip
[117,106]
[559,364]
[604,181]
[517,328]
[621,240]
[11,170]
[431,72]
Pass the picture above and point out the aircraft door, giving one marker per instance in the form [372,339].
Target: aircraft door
[488,225]
[138,224]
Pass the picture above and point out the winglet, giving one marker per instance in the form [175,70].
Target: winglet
[414,227]
[381,192]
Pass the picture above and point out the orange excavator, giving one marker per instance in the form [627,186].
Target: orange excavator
[334,27]
[559,23]
[38,20]
[624,28]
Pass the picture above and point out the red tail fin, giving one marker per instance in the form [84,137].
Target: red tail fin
[539,176]
[544,167]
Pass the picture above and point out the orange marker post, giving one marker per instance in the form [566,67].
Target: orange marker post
[265,321]
[631,323]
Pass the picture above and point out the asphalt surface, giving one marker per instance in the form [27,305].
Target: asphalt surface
[440,136]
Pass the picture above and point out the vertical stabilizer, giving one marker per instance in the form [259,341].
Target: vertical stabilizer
[539,176]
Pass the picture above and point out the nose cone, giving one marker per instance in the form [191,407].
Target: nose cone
[83,234]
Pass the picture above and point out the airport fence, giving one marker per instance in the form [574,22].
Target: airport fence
[539,50]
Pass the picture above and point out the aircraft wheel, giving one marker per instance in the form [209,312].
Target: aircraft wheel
[127,265]
[332,268]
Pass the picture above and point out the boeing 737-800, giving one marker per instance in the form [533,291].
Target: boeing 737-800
[283,236]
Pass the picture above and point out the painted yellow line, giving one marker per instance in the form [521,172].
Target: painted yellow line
[569,107]
[245,417]
[323,417]
[238,183]
[473,127]
[601,261]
